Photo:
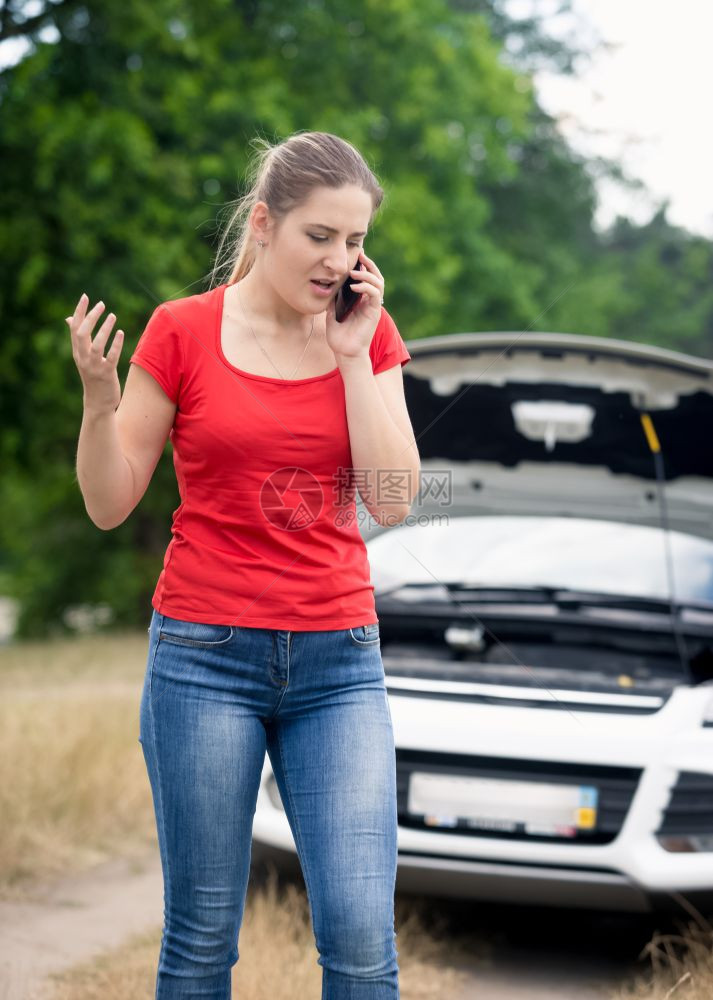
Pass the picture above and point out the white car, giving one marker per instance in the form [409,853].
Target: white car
[546,622]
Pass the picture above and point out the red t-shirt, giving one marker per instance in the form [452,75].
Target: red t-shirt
[265,534]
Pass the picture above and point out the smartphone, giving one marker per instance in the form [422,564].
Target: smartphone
[347,298]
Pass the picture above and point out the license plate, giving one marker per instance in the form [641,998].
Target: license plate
[534,807]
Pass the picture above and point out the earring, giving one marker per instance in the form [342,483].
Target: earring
[260,243]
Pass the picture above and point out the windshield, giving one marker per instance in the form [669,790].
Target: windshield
[573,553]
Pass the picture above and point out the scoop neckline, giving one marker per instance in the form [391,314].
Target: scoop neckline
[258,378]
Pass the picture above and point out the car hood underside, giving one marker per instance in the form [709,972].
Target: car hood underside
[560,424]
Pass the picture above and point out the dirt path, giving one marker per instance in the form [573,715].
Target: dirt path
[75,919]
[535,955]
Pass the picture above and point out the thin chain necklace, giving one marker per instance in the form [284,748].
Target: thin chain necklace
[240,303]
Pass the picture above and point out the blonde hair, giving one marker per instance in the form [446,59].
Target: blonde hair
[283,175]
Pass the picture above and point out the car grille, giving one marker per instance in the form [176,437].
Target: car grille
[615,785]
[690,806]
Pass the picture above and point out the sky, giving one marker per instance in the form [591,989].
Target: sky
[644,102]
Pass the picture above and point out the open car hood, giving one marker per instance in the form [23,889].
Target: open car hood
[551,423]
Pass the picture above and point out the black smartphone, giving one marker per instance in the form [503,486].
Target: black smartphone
[347,298]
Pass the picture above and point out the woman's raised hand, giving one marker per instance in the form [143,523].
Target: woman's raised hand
[102,390]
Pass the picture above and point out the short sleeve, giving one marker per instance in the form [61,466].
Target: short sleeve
[160,351]
[387,348]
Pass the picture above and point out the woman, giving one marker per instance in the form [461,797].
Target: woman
[264,634]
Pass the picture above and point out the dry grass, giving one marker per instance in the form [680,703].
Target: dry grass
[74,791]
[278,957]
[73,785]
[681,963]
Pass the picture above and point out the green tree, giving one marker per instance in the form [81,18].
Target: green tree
[122,139]
[125,133]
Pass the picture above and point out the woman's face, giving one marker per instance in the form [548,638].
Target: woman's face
[321,238]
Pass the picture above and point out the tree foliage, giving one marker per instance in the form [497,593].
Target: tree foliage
[125,133]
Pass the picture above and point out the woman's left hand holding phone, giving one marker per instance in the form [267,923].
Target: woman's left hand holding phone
[351,338]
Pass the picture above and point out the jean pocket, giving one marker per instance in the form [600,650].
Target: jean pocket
[365,635]
[183,633]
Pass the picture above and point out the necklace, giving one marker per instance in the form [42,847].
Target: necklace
[240,303]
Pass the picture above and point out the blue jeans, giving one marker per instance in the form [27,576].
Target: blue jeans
[215,697]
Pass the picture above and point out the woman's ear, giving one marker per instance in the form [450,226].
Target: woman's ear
[260,221]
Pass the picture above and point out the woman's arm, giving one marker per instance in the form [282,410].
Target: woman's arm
[384,452]
[103,472]
[121,437]
[119,450]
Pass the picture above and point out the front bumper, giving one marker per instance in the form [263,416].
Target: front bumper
[631,871]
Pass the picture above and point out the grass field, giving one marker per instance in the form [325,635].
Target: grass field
[74,791]
[278,957]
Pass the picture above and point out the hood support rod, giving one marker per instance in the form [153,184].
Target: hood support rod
[655,448]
